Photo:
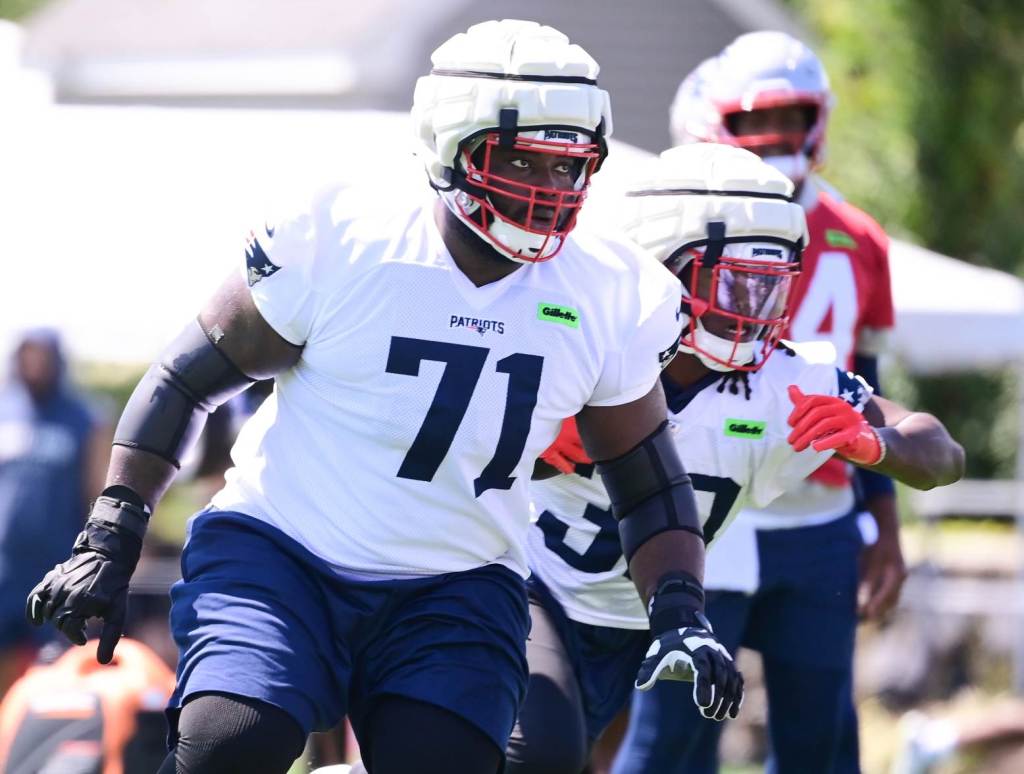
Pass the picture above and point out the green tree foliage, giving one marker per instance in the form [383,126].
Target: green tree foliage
[928,136]
[16,9]
[979,410]
[969,120]
[865,47]
[928,133]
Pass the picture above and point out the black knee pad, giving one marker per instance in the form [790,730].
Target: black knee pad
[218,733]
[405,735]
[546,751]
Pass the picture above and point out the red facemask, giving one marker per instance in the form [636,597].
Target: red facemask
[739,305]
[523,220]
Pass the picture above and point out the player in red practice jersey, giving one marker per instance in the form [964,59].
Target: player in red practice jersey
[844,295]
[799,571]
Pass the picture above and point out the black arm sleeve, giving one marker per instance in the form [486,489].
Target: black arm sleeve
[168,408]
[870,483]
[650,491]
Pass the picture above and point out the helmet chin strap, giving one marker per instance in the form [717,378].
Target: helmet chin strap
[509,240]
[707,346]
[795,166]
[523,242]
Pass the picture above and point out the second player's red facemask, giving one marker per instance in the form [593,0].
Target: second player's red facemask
[737,301]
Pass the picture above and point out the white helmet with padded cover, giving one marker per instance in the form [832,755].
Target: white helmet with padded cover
[722,209]
[510,84]
[757,71]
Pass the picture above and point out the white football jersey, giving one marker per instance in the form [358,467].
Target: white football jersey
[734,448]
[403,441]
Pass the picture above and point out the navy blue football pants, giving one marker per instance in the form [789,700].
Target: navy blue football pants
[802,620]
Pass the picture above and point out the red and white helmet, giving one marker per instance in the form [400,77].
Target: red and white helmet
[514,84]
[757,71]
[722,210]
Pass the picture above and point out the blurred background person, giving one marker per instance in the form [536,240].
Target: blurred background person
[53,455]
[71,715]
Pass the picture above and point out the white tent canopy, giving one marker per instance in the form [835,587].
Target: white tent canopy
[119,222]
[952,316]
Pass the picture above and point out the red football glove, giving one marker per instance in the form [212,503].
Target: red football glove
[567,450]
[825,422]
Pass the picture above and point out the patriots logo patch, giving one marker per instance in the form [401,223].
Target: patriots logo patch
[476,325]
[257,265]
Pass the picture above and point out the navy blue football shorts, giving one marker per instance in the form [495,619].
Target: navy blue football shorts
[803,620]
[257,615]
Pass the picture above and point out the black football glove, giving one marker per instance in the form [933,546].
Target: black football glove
[94,581]
[685,648]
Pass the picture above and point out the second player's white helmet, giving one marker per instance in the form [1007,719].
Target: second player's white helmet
[724,222]
[757,71]
[512,84]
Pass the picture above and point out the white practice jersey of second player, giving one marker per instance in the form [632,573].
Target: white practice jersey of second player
[402,442]
[733,447]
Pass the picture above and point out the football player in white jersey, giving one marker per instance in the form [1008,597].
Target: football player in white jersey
[774,583]
[367,554]
[749,416]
